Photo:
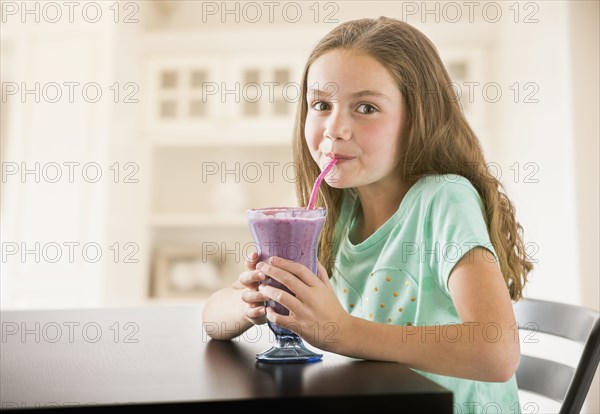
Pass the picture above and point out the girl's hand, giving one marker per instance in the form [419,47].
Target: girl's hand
[315,312]
[255,311]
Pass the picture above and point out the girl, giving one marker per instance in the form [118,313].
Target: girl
[421,254]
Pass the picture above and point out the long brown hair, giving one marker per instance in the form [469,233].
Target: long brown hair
[437,138]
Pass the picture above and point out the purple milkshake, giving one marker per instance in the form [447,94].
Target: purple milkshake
[291,233]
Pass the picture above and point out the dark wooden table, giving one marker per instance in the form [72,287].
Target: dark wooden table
[160,359]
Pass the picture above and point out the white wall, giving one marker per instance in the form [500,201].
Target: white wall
[585,49]
[560,135]
[585,57]
[54,211]
[41,218]
[541,134]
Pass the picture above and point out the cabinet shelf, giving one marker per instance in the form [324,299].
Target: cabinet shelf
[195,143]
[214,139]
[195,220]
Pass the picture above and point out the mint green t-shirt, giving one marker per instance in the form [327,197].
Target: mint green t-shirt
[399,275]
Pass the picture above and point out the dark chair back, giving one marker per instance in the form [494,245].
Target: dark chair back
[562,383]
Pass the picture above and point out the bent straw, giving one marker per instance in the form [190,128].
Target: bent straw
[315,190]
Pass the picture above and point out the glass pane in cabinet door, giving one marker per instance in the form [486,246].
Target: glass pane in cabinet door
[198,79]
[251,76]
[251,108]
[168,80]
[282,76]
[281,108]
[458,70]
[168,109]
[197,109]
[281,105]
[250,102]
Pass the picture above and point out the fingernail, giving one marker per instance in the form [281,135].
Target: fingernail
[259,265]
[261,275]
[272,259]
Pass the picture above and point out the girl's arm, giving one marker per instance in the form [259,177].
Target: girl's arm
[223,314]
[231,311]
[487,345]
[484,347]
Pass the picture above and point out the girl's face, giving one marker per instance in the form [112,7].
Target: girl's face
[355,113]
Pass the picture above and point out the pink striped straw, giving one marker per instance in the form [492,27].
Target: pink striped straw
[315,190]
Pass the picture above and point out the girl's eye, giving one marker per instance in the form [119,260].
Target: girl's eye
[366,109]
[320,106]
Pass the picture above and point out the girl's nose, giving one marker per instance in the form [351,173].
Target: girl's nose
[337,127]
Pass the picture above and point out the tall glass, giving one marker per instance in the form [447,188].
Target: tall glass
[292,233]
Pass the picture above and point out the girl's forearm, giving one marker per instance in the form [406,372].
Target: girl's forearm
[474,350]
[223,314]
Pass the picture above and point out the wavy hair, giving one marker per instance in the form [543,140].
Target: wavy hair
[437,138]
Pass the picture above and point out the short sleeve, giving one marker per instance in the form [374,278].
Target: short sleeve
[454,225]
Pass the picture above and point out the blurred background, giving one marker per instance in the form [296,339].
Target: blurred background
[134,135]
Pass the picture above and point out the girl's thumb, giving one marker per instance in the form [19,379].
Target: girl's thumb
[251,261]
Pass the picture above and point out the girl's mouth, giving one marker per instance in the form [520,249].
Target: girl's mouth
[341,157]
